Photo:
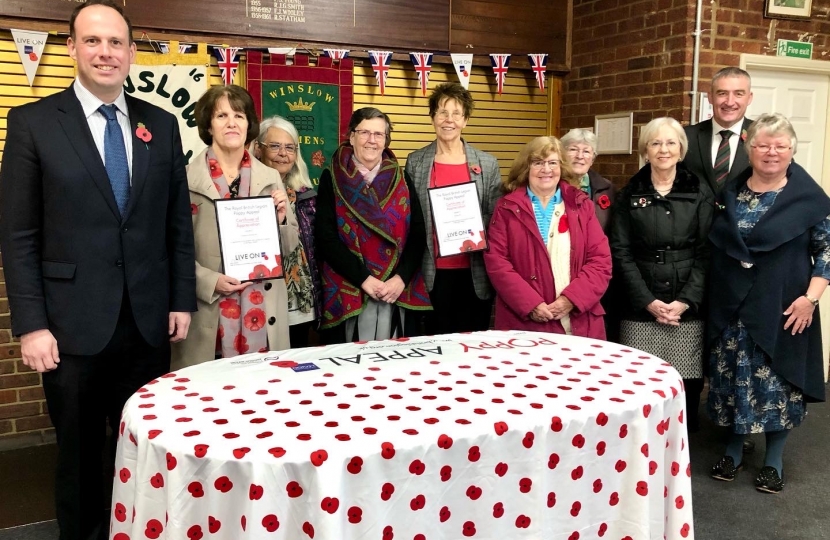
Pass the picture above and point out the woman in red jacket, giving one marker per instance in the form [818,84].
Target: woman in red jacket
[549,260]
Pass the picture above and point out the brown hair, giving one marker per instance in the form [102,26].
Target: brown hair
[536,150]
[451,90]
[370,113]
[105,3]
[240,101]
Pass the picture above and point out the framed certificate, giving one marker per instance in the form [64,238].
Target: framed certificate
[249,238]
[456,216]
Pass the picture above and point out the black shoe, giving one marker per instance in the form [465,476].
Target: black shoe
[725,469]
[768,480]
[749,446]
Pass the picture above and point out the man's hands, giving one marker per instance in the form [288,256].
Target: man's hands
[39,350]
[178,323]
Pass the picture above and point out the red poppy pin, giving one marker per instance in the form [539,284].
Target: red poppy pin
[743,135]
[604,202]
[194,209]
[563,223]
[143,133]
[475,168]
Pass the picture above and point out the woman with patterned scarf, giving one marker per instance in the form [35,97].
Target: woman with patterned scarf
[233,318]
[370,239]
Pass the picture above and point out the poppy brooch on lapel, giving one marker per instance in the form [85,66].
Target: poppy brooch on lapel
[475,168]
[743,136]
[143,133]
[604,202]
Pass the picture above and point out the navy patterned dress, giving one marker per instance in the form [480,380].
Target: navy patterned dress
[744,392]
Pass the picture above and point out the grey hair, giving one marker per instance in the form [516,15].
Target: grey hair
[298,176]
[730,72]
[580,136]
[648,132]
[775,124]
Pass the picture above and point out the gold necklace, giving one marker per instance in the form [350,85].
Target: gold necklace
[756,195]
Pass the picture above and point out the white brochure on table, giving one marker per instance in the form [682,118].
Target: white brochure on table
[456,215]
[249,238]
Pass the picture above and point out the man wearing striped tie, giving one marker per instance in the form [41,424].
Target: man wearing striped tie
[716,151]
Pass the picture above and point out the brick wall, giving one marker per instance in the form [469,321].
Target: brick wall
[23,417]
[636,55]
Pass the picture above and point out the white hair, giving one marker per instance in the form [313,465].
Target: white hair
[297,177]
[580,136]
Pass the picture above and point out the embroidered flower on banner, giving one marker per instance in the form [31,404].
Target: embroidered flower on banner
[604,202]
[318,159]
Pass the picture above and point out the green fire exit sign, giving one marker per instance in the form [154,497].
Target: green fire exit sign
[796,49]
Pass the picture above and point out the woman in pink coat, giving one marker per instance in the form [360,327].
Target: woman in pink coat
[549,260]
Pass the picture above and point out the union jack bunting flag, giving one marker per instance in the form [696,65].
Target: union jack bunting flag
[381,60]
[500,63]
[539,64]
[228,62]
[423,65]
[165,47]
[336,54]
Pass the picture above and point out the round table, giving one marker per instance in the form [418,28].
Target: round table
[489,435]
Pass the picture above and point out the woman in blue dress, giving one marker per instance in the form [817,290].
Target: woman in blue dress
[770,266]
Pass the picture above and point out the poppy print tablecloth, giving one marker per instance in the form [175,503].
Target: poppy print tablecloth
[490,435]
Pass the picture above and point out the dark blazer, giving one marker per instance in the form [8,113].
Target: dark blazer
[780,268]
[659,244]
[699,156]
[603,194]
[67,253]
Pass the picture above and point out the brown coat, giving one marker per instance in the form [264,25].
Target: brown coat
[200,344]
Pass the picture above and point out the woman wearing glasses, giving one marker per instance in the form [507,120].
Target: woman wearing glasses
[370,238]
[278,147]
[549,259]
[770,266]
[658,239]
[581,150]
[233,318]
[461,294]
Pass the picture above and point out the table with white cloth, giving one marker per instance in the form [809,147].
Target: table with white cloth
[488,435]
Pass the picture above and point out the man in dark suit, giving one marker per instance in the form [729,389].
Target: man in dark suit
[710,155]
[97,243]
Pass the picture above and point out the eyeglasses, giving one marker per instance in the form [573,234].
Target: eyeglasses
[365,134]
[276,148]
[583,152]
[552,163]
[765,148]
[656,145]
[443,115]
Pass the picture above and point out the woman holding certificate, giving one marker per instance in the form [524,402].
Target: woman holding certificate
[370,238]
[549,260]
[461,293]
[235,316]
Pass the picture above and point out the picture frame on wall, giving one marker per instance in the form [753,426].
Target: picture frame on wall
[788,9]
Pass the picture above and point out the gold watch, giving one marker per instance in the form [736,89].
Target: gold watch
[812,300]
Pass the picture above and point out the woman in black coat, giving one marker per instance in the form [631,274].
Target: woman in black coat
[659,246]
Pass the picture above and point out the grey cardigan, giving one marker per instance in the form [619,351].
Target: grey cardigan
[488,181]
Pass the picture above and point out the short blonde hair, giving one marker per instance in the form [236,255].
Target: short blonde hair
[649,131]
[774,124]
[538,149]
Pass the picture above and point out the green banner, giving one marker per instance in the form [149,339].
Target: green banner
[314,110]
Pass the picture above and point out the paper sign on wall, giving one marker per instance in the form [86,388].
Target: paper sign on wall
[30,48]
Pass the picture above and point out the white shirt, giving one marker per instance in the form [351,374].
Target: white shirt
[98,122]
[734,140]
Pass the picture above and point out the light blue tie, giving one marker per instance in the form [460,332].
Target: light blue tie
[115,158]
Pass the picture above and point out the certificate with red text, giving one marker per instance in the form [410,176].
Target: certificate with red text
[456,215]
[249,238]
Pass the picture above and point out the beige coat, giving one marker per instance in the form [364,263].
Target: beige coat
[200,344]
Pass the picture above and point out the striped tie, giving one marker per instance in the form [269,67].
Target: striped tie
[722,157]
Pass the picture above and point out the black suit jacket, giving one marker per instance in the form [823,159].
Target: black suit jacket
[67,253]
[699,156]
